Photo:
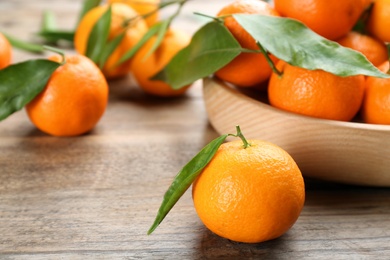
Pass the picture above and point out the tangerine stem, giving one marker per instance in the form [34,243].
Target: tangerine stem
[217,19]
[56,50]
[270,62]
[241,136]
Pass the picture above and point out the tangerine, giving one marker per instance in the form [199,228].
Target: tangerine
[316,93]
[376,103]
[73,100]
[379,20]
[374,50]
[247,69]
[331,19]
[5,52]
[249,194]
[121,13]
[145,67]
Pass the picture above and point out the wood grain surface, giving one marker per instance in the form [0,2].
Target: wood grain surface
[95,196]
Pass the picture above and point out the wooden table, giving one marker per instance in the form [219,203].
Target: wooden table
[95,196]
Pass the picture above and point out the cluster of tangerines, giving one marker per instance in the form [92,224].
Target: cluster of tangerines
[318,93]
[75,97]
[127,15]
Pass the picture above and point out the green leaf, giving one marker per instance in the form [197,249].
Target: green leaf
[211,48]
[23,45]
[55,36]
[49,31]
[162,29]
[185,178]
[291,41]
[49,21]
[22,82]
[99,36]
[109,48]
[87,6]
[149,34]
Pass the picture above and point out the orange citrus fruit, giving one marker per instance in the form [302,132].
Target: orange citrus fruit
[330,18]
[376,103]
[316,93]
[5,52]
[247,69]
[144,67]
[120,14]
[249,195]
[374,50]
[73,100]
[379,20]
[143,7]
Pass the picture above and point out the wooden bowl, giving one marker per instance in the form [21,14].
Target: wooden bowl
[345,152]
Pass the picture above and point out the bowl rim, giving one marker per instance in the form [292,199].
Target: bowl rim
[347,124]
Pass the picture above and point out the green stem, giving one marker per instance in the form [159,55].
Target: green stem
[127,22]
[217,19]
[270,62]
[241,136]
[56,50]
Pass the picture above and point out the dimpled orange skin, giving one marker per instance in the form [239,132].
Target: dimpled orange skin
[144,68]
[142,7]
[331,19]
[5,52]
[374,50]
[249,195]
[376,103]
[316,93]
[73,100]
[379,20]
[247,69]
[120,13]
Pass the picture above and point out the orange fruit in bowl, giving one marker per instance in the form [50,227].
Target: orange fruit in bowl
[144,67]
[379,20]
[251,194]
[316,93]
[374,50]
[331,19]
[247,69]
[143,7]
[5,52]
[376,103]
[73,100]
[134,32]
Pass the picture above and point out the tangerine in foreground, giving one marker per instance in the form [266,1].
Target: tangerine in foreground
[73,101]
[251,194]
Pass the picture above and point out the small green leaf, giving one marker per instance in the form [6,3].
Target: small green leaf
[99,36]
[185,178]
[87,6]
[164,25]
[22,82]
[109,49]
[211,48]
[49,21]
[291,41]
[55,36]
[149,34]
[23,45]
